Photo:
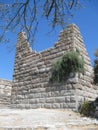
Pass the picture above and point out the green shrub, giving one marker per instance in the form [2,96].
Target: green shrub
[87,108]
[69,63]
[56,71]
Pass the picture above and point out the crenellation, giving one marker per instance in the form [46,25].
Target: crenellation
[31,86]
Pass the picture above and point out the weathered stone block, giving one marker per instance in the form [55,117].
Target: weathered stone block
[20,96]
[59,99]
[50,100]
[55,93]
[37,95]
[67,92]
[48,105]
[33,101]
[67,99]
[42,100]
[56,105]
[72,105]
[20,106]
[44,95]
[34,106]
[72,80]
[72,99]
[37,90]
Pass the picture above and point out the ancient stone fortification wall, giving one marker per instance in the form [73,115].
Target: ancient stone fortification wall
[5,92]
[31,87]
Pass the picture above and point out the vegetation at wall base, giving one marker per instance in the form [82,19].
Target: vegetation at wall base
[87,109]
[70,62]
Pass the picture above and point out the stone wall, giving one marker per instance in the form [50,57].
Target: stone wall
[5,92]
[31,86]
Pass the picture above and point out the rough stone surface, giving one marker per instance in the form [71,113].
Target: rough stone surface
[5,92]
[31,86]
[44,119]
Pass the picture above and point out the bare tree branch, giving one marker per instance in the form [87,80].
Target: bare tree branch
[26,15]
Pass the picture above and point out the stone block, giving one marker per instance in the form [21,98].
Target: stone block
[56,105]
[20,96]
[27,106]
[48,105]
[72,99]
[44,95]
[67,92]
[72,80]
[33,101]
[31,95]
[42,100]
[37,95]
[69,86]
[37,90]
[67,99]
[24,91]
[50,100]
[72,105]
[65,105]
[55,93]
[35,106]
[20,106]
[59,99]
[49,94]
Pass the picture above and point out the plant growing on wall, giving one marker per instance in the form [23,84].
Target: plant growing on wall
[71,62]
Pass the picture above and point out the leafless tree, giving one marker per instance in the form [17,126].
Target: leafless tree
[24,15]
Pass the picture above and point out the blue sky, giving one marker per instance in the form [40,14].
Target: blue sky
[85,18]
